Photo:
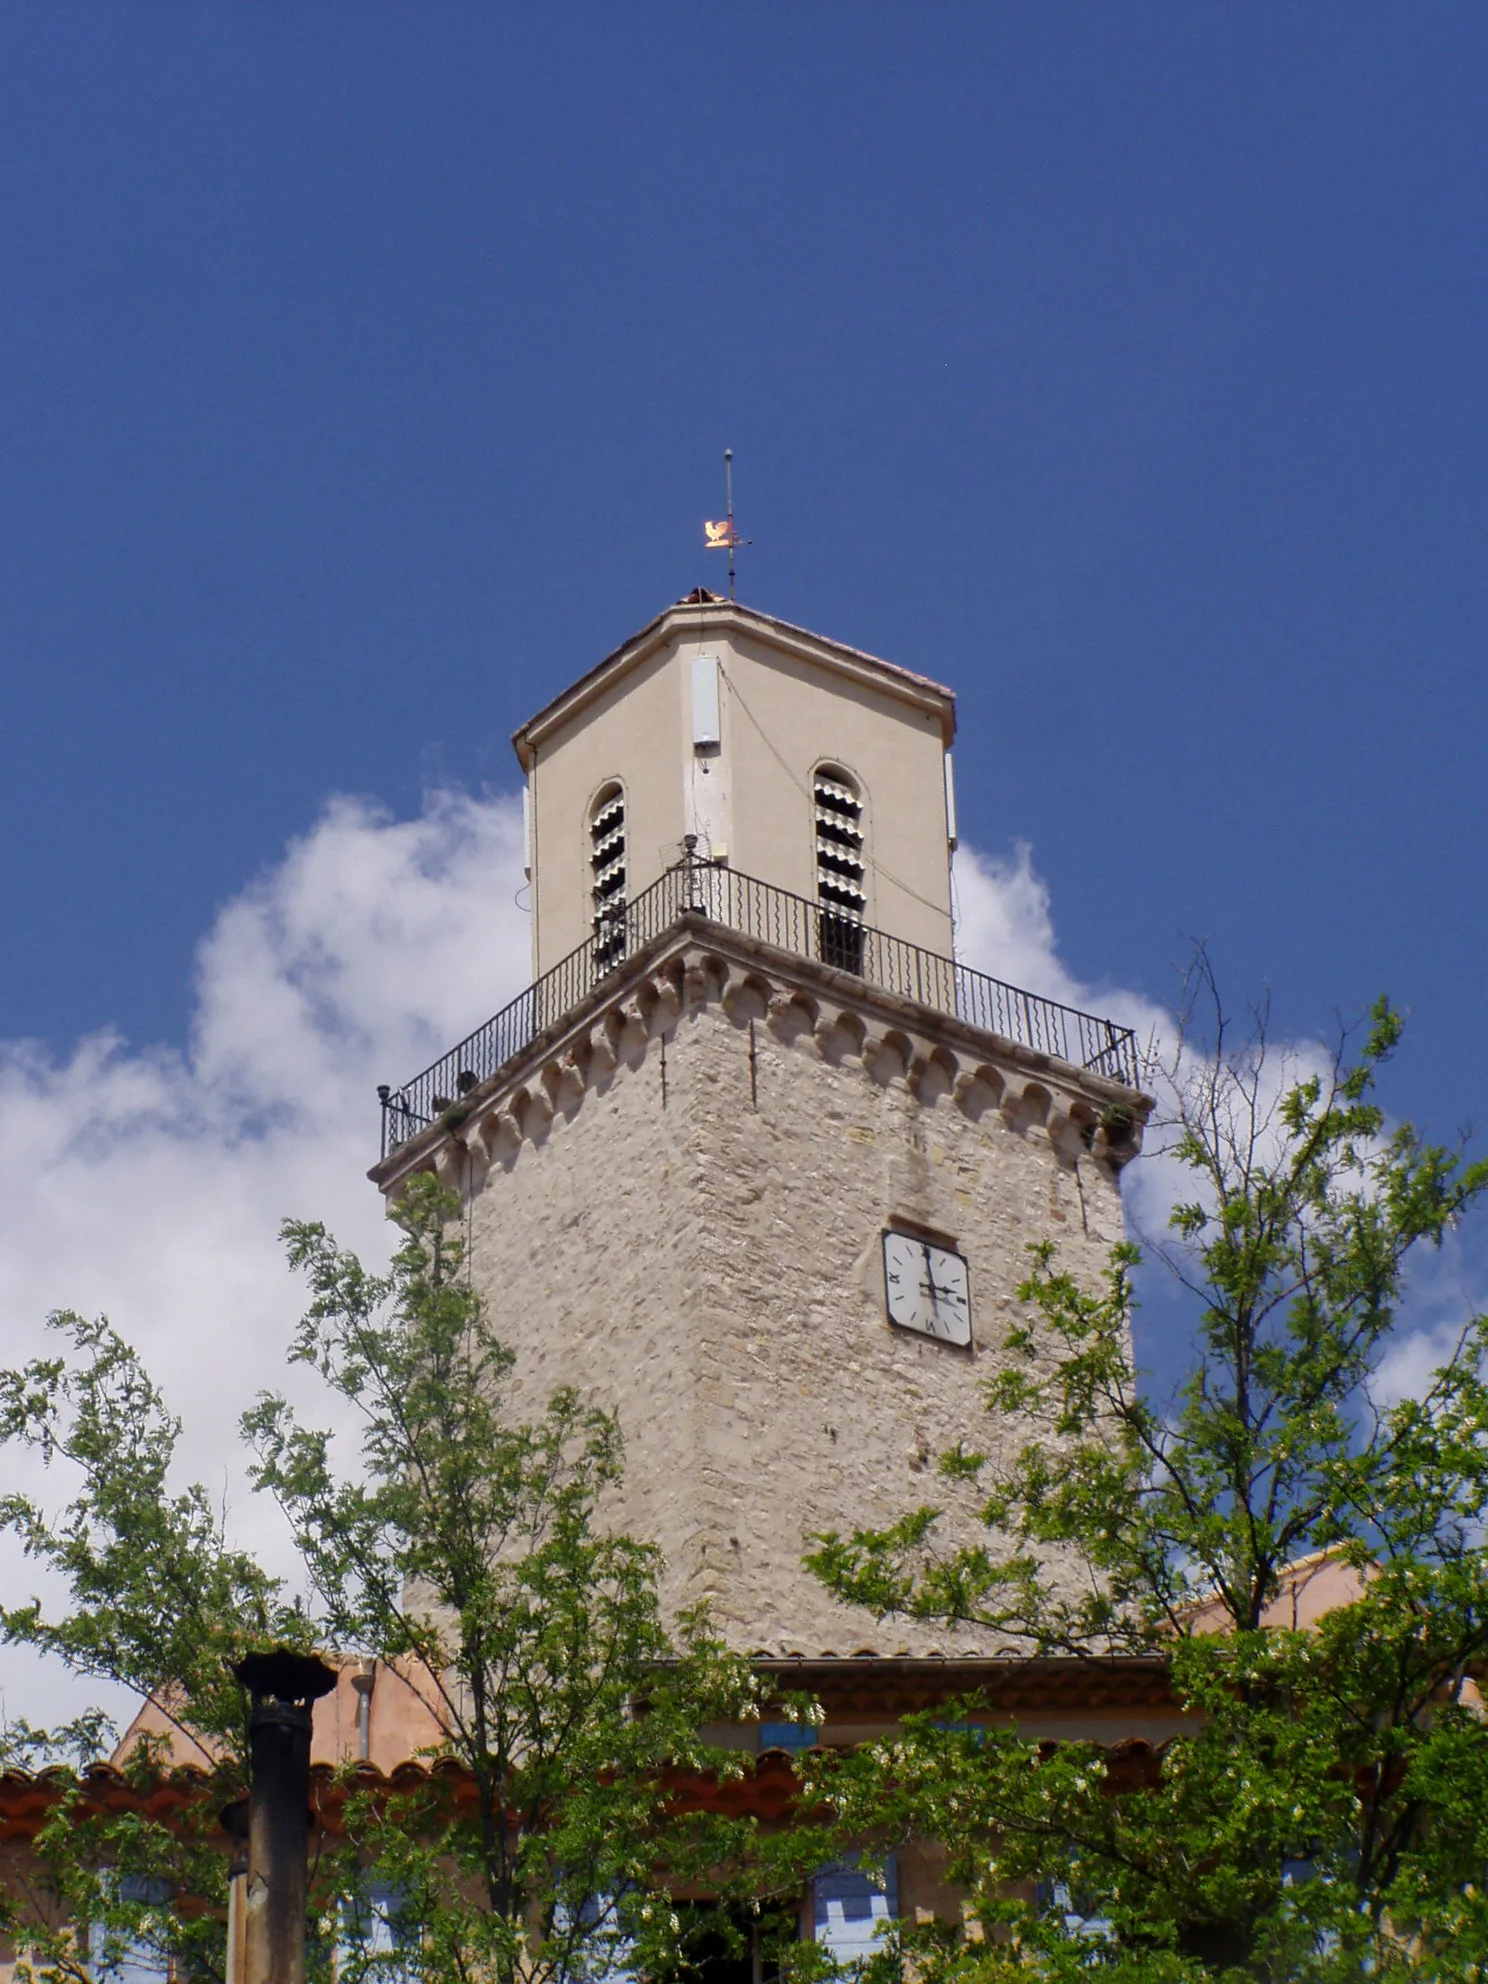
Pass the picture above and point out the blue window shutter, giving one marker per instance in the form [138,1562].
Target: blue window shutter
[850,1906]
[787,1735]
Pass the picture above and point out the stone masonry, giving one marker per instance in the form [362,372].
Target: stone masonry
[676,1203]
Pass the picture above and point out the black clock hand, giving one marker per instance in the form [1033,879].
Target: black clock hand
[934,1318]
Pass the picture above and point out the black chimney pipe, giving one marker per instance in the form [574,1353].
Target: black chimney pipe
[284,1686]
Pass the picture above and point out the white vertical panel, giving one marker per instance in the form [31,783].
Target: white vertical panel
[527,830]
[950,800]
[705,730]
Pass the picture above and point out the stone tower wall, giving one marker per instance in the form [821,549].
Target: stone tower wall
[687,1225]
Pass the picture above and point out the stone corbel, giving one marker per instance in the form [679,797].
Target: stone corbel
[933,1075]
[791,1015]
[497,1136]
[563,1079]
[839,1033]
[599,1050]
[1025,1106]
[476,1161]
[627,1028]
[1066,1129]
[977,1090]
[746,997]
[1118,1136]
[887,1056]
[532,1112]
[666,1007]
[705,981]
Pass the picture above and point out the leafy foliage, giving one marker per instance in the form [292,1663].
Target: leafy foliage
[1324,1812]
[161,1602]
[468,1550]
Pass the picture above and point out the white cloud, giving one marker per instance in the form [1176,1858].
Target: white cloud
[1443,1292]
[150,1184]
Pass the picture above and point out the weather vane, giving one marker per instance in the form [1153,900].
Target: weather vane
[722,536]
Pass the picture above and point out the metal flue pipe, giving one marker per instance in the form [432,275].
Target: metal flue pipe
[284,1687]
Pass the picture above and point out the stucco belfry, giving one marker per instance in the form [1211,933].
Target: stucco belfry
[780,702]
[676,1202]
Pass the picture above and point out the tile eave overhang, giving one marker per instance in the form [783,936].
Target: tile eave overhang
[870,1685]
[694,932]
[688,618]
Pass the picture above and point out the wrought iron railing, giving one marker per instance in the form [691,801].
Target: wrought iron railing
[791,923]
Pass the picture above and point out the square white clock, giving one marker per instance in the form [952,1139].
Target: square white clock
[927,1288]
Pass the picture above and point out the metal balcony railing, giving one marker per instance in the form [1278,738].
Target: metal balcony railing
[792,923]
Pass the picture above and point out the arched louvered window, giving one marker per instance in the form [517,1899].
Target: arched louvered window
[841,867]
[607,862]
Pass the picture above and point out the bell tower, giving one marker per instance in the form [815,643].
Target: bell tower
[755,1161]
[794,759]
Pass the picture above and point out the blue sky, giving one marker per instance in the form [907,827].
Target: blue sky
[365,372]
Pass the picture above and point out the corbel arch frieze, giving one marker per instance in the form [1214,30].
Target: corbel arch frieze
[836,1028]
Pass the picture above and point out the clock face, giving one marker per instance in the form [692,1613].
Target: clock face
[927,1288]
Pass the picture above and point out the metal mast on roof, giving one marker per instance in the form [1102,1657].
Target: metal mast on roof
[728,484]
[722,536]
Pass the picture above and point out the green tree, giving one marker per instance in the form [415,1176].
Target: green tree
[1325,1815]
[468,1547]
[160,1602]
